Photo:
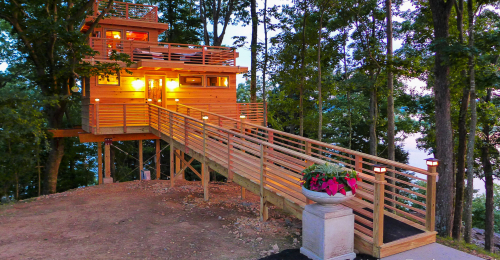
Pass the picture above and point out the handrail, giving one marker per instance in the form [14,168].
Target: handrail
[312,141]
[124,10]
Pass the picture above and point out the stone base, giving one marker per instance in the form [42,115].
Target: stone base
[312,256]
[107,180]
[327,232]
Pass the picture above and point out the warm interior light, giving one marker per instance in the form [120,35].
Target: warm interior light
[137,83]
[432,162]
[96,100]
[225,82]
[172,84]
[379,168]
[242,116]
[205,117]
[176,100]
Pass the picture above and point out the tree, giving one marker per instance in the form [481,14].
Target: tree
[253,48]
[441,10]
[183,21]
[54,49]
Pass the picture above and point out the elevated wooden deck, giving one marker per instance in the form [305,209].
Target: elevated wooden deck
[268,162]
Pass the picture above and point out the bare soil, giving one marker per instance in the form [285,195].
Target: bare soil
[146,220]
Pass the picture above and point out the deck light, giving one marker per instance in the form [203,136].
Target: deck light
[137,83]
[172,85]
[176,100]
[379,168]
[205,117]
[96,100]
[149,100]
[242,116]
[432,162]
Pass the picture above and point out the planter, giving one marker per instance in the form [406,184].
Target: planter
[325,199]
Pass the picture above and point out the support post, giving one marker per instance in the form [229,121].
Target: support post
[177,161]
[430,209]
[358,167]
[107,162]
[158,173]
[99,162]
[264,209]
[243,193]
[378,213]
[172,150]
[141,166]
[205,173]
[229,148]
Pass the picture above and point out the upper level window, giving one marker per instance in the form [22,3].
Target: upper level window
[137,36]
[110,79]
[110,34]
[218,81]
[191,81]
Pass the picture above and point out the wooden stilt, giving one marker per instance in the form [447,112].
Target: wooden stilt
[183,172]
[172,162]
[243,193]
[99,162]
[158,159]
[264,209]
[141,166]
[206,178]
[107,161]
[177,161]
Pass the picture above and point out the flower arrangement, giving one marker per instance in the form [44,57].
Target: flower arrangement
[329,178]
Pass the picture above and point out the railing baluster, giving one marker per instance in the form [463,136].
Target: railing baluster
[124,118]
[378,213]
[229,172]
[430,209]
[264,210]
[126,11]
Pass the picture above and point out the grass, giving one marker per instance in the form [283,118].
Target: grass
[468,248]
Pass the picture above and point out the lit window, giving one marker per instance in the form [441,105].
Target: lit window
[109,79]
[113,35]
[137,36]
[216,81]
[191,81]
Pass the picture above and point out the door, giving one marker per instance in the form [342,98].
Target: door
[155,88]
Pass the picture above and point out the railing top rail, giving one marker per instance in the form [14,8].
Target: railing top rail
[338,148]
[189,104]
[165,43]
[228,131]
[115,2]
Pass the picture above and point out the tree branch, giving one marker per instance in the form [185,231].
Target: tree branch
[87,34]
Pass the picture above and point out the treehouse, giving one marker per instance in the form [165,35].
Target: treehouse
[186,95]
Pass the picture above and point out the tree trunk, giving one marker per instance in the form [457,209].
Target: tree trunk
[264,71]
[488,175]
[391,140]
[17,185]
[444,139]
[462,137]
[472,130]
[373,121]
[302,76]
[320,99]
[253,69]
[52,167]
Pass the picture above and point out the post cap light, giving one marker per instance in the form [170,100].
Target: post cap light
[159,100]
[379,168]
[242,116]
[96,100]
[432,162]
[176,100]
[149,100]
[205,117]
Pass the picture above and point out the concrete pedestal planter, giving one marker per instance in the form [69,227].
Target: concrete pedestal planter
[326,200]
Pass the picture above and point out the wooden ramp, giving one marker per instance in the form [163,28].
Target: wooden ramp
[394,212]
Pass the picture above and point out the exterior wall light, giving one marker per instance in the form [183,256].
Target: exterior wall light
[138,83]
[379,168]
[176,100]
[159,100]
[243,116]
[96,100]
[172,85]
[75,89]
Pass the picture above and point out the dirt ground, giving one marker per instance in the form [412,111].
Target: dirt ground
[146,220]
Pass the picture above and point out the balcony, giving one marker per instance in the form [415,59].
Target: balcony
[121,10]
[159,51]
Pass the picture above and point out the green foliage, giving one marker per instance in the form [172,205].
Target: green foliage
[479,209]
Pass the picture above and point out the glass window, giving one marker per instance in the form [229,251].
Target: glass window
[113,34]
[110,79]
[218,81]
[191,81]
[155,89]
[137,36]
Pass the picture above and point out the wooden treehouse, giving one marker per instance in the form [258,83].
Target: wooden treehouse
[186,95]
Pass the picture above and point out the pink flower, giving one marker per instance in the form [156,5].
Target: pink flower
[352,184]
[341,189]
